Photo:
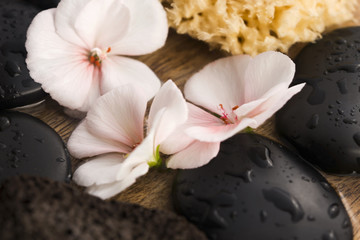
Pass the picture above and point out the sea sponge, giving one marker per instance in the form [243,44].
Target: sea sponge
[252,27]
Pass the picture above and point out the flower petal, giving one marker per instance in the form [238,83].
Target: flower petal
[117,71]
[99,170]
[220,82]
[177,141]
[195,155]
[273,104]
[111,189]
[143,153]
[119,116]
[265,71]
[148,28]
[66,13]
[176,111]
[60,67]
[82,143]
[97,21]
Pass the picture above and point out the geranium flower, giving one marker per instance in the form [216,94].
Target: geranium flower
[113,135]
[75,51]
[236,92]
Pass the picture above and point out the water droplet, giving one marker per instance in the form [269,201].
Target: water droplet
[285,202]
[350,121]
[27,83]
[12,69]
[313,122]
[345,224]
[60,159]
[347,67]
[233,214]
[261,157]
[188,192]
[2,146]
[340,111]
[340,41]
[263,215]
[40,140]
[329,236]
[246,175]
[356,138]
[334,210]
[311,218]
[4,123]
[342,86]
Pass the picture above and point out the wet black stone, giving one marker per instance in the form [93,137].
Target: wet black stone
[15,17]
[44,4]
[323,120]
[30,147]
[287,199]
[34,208]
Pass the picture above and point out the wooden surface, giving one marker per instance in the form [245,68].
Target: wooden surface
[178,60]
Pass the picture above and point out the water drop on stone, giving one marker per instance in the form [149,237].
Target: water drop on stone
[261,156]
[60,159]
[263,215]
[334,210]
[4,123]
[12,69]
[356,138]
[285,202]
[342,86]
[329,236]
[313,122]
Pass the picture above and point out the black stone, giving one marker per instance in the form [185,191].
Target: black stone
[16,86]
[257,189]
[28,146]
[34,208]
[323,120]
[44,4]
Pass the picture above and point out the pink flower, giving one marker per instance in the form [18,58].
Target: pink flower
[75,51]
[112,134]
[236,92]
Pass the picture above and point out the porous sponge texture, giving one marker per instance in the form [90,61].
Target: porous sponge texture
[255,26]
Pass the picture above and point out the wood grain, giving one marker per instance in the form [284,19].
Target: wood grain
[178,60]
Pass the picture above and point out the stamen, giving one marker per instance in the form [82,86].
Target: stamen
[97,55]
[228,118]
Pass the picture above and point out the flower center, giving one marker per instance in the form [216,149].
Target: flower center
[228,118]
[97,55]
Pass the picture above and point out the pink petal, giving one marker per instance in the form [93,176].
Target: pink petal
[218,133]
[82,143]
[119,116]
[273,104]
[97,21]
[105,191]
[177,141]
[220,82]
[265,71]
[67,12]
[99,170]
[148,28]
[196,155]
[62,68]
[171,99]
[117,71]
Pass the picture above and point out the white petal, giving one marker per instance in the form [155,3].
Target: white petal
[265,71]
[148,28]
[196,155]
[82,143]
[62,68]
[143,153]
[109,190]
[119,116]
[176,111]
[117,71]
[177,141]
[99,170]
[102,23]
[220,82]
[66,13]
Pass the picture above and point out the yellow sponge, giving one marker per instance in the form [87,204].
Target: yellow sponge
[255,26]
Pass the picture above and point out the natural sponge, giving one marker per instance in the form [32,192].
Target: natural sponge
[252,27]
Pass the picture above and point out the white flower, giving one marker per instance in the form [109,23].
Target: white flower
[75,51]
[237,92]
[112,134]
